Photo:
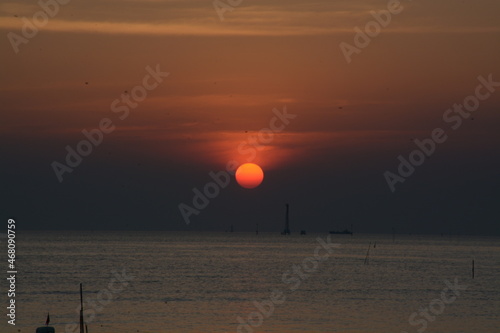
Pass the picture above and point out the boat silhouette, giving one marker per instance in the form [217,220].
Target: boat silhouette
[343,232]
[49,329]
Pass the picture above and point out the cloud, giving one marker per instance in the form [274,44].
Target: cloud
[266,19]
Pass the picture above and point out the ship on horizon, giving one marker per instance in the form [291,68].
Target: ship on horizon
[343,232]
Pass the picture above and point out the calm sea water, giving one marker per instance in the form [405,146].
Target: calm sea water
[202,282]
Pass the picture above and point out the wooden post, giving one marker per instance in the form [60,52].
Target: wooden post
[367,261]
[81,310]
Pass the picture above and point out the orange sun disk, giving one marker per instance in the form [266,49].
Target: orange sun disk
[249,175]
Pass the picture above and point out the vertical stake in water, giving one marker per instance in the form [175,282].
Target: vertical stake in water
[367,262]
[81,310]
[473,268]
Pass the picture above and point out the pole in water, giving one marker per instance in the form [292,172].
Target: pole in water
[367,261]
[473,268]
[81,310]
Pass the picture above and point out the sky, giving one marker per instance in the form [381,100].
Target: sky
[356,100]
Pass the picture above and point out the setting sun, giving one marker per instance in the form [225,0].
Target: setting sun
[249,175]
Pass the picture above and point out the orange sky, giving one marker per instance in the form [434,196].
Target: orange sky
[226,77]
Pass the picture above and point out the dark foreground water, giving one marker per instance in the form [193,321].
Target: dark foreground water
[222,282]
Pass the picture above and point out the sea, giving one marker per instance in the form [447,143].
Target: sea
[152,282]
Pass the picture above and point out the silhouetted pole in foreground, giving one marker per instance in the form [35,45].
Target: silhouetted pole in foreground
[81,310]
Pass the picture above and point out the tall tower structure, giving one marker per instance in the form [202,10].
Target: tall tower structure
[287,224]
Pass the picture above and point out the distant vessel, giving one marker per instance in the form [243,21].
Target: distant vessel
[48,329]
[343,232]
[287,225]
